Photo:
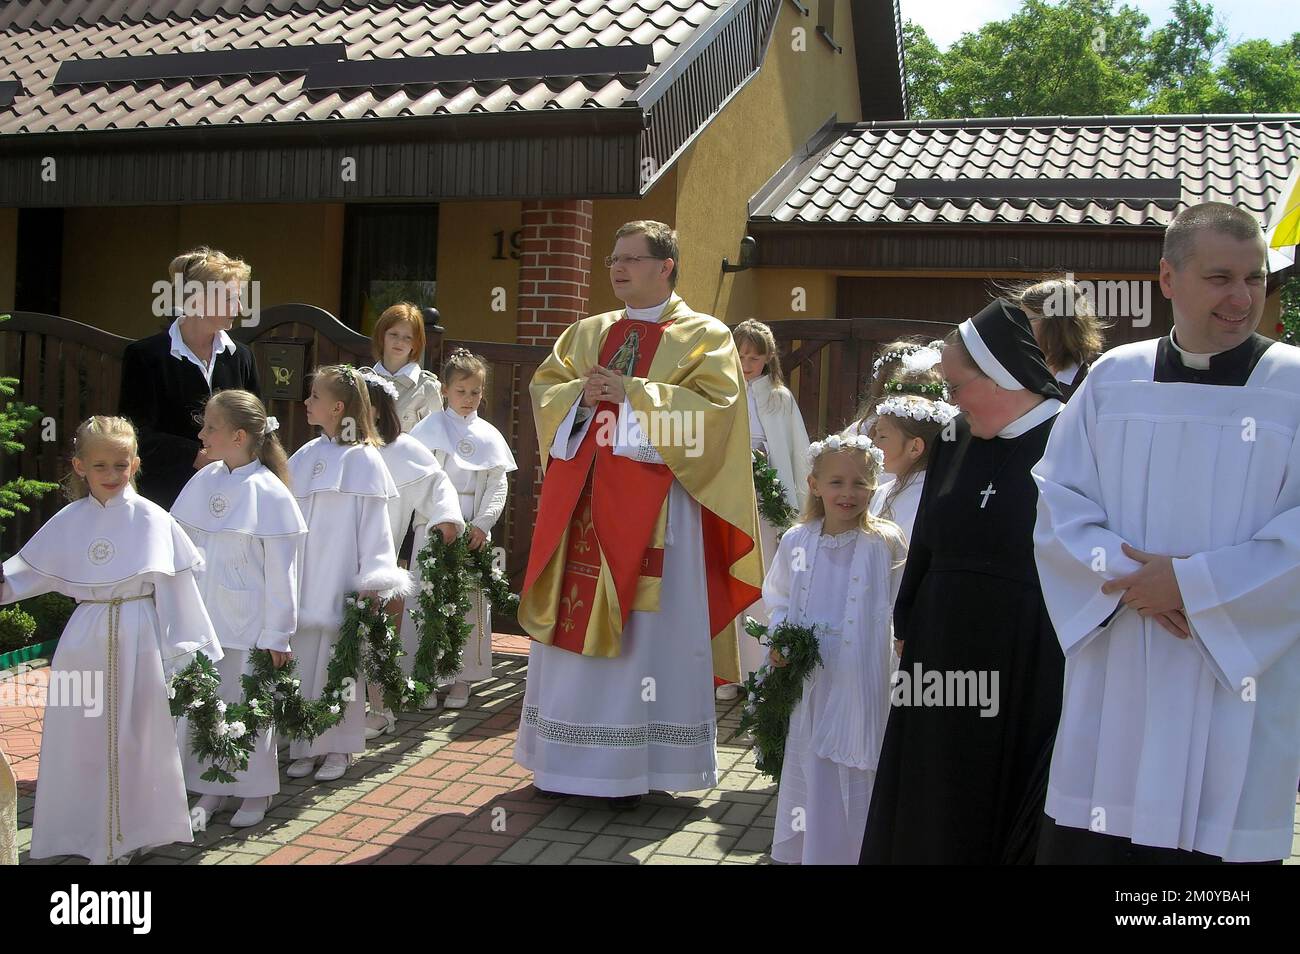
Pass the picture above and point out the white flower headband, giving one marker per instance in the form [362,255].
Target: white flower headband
[914,357]
[837,443]
[370,377]
[941,412]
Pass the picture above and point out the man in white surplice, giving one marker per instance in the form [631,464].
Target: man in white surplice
[1168,546]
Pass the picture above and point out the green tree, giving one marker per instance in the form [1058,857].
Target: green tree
[1260,77]
[1096,57]
[15,418]
[1180,63]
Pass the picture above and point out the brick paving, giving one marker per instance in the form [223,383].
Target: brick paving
[444,789]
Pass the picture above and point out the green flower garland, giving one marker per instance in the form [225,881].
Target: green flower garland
[774,691]
[772,505]
[224,735]
[364,619]
[923,389]
[448,574]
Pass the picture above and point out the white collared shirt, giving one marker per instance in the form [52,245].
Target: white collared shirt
[410,371]
[182,351]
[1032,418]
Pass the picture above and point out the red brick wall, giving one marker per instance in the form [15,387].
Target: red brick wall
[555,268]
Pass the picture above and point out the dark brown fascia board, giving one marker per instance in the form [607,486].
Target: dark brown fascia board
[654,86]
[796,167]
[865,12]
[768,225]
[520,123]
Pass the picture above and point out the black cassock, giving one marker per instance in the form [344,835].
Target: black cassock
[952,786]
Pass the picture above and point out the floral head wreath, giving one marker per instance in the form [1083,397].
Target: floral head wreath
[941,412]
[372,377]
[914,357]
[837,442]
[932,390]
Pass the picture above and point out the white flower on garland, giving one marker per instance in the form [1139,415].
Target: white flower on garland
[221,707]
[253,703]
[195,704]
[334,709]
[220,730]
[836,443]
[297,683]
[410,684]
[236,730]
[171,690]
[917,409]
[449,609]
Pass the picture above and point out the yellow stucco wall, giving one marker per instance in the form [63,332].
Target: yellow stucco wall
[802,82]
[8,256]
[468,274]
[113,256]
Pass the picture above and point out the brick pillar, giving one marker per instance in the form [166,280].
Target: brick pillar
[554,268]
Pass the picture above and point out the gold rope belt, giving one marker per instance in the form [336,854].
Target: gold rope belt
[114,620]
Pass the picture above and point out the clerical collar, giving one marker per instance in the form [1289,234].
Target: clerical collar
[467,419]
[1032,418]
[1067,375]
[1193,359]
[1231,368]
[410,371]
[648,314]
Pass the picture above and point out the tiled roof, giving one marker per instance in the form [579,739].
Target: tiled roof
[851,175]
[35,37]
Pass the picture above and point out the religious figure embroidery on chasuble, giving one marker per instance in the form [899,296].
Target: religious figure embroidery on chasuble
[625,358]
[218,504]
[318,468]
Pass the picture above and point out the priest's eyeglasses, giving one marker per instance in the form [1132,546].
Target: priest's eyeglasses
[612,260]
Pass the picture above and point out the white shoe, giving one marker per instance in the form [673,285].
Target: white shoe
[458,697]
[302,767]
[251,812]
[335,764]
[380,723]
[727,693]
[210,805]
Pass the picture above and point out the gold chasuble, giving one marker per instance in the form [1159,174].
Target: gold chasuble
[597,551]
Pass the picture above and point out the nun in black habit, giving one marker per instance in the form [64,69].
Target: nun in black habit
[963,769]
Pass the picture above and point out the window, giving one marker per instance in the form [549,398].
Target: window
[390,255]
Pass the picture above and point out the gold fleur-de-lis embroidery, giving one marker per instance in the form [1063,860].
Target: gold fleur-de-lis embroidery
[583,525]
[570,605]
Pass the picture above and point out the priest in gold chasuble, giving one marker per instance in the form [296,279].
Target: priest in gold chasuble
[644,547]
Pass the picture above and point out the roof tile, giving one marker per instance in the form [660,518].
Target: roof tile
[35,37]
[1244,160]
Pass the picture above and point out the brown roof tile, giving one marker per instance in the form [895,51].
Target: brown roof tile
[35,37]
[851,176]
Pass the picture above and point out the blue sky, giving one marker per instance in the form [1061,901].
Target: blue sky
[946,20]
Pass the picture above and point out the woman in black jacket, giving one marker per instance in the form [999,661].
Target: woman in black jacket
[168,377]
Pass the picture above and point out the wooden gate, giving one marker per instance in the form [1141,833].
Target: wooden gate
[827,362]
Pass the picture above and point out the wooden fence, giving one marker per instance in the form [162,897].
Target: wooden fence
[71,371]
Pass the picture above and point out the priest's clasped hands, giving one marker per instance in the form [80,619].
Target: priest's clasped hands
[1153,591]
[602,384]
